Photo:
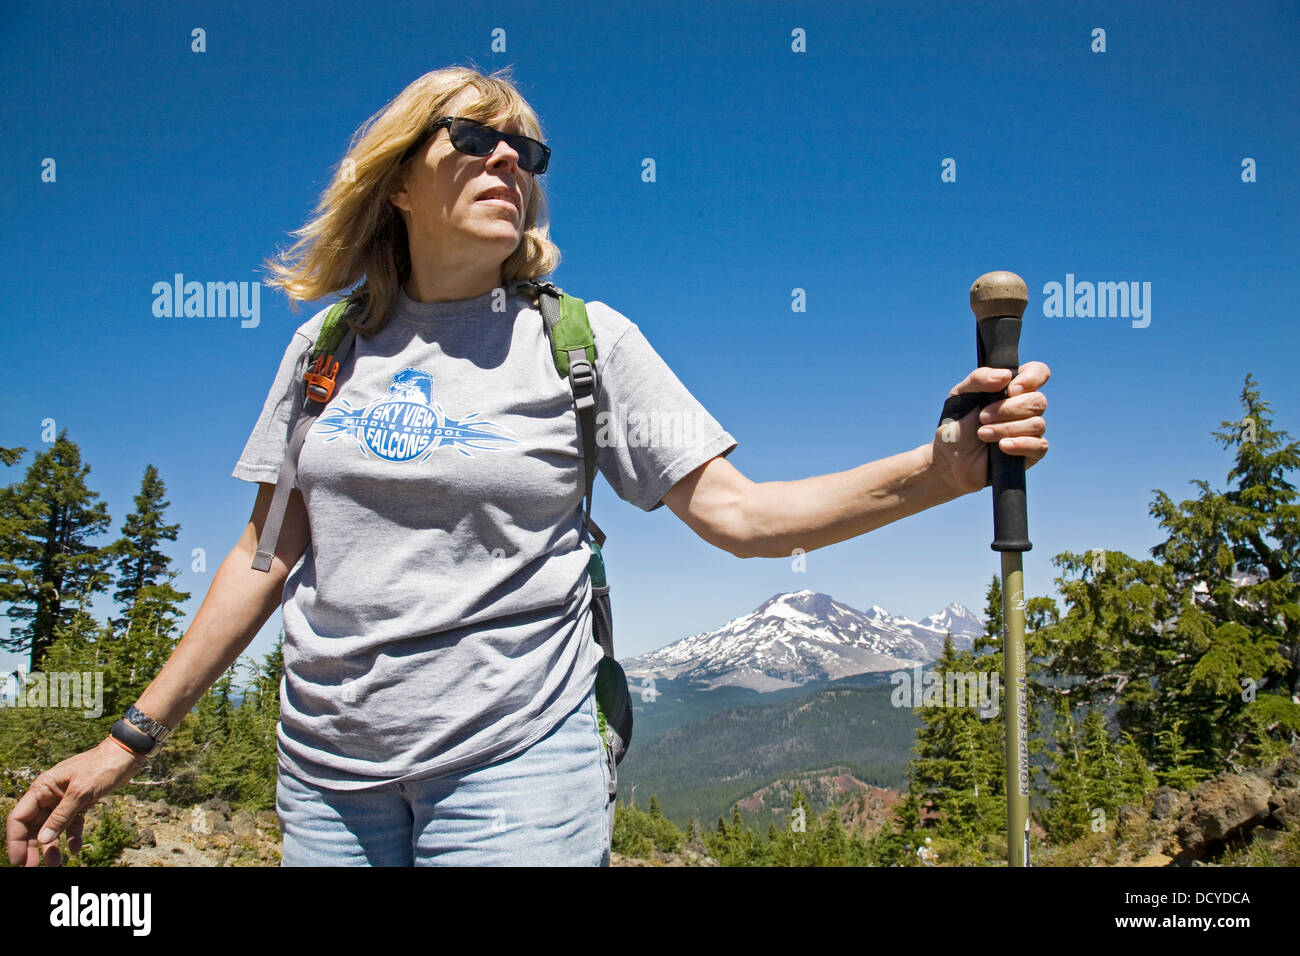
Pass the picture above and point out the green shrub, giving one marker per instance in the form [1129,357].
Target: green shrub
[106,842]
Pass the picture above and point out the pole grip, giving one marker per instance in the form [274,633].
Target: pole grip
[999,347]
[998,300]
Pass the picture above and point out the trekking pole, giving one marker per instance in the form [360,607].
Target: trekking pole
[998,300]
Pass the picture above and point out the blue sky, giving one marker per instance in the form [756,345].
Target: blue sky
[776,170]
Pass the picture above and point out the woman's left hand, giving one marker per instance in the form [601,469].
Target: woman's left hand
[960,449]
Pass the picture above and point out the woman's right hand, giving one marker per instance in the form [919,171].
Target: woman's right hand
[59,799]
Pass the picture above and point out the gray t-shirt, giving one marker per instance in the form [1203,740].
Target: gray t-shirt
[440,617]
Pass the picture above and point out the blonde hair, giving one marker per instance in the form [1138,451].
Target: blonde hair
[358,232]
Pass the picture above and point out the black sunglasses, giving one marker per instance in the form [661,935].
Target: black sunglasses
[476,139]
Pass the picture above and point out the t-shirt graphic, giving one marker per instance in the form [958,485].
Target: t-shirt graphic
[406,424]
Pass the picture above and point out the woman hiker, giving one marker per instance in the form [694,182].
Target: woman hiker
[437,705]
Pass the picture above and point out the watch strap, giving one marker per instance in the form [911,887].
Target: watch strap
[155,729]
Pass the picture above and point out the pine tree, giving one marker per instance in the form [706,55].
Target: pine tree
[1102,788]
[890,845]
[833,844]
[1136,777]
[744,841]
[48,570]
[266,689]
[933,773]
[662,832]
[1256,619]
[35,738]
[1117,772]
[991,742]
[991,639]
[1069,813]
[149,631]
[140,562]
[1178,767]
[1200,647]
[631,833]
[958,765]
[733,843]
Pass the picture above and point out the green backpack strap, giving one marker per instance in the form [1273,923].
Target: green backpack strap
[573,331]
[331,330]
[573,347]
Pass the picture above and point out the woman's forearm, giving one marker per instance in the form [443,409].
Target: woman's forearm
[239,602]
[781,516]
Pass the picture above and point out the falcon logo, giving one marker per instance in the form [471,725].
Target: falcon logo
[406,424]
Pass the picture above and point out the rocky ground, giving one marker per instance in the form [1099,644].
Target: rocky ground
[1231,819]
[205,835]
[693,855]
[1242,818]
[211,834]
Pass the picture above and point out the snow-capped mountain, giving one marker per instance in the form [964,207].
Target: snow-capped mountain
[801,636]
[964,624]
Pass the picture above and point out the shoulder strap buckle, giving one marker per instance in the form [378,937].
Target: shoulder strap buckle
[581,373]
[537,285]
[320,378]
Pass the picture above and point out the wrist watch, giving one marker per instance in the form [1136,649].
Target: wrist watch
[140,732]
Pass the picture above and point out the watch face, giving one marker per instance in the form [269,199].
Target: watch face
[123,737]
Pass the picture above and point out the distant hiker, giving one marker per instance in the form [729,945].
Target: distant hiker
[927,853]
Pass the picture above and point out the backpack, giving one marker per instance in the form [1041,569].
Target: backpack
[574,350]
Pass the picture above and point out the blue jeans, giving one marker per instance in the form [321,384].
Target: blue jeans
[548,805]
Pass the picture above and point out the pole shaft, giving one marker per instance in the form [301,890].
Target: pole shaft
[1016,715]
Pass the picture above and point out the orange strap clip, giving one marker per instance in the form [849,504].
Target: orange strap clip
[320,378]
